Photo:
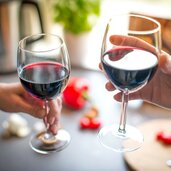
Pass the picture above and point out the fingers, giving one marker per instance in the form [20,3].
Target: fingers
[34,106]
[36,109]
[100,66]
[165,62]
[53,116]
[109,86]
[132,96]
[118,94]
[131,41]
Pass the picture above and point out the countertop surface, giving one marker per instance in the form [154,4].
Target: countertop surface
[84,153]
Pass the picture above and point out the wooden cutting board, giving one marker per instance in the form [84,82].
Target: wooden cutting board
[152,156]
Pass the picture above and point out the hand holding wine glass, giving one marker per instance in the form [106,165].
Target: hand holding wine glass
[44,68]
[153,92]
[129,68]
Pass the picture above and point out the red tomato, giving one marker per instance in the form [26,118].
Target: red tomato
[164,137]
[95,123]
[84,123]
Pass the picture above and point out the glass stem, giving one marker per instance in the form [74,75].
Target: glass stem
[47,133]
[122,123]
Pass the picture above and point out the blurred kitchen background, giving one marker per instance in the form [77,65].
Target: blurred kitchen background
[21,18]
[87,54]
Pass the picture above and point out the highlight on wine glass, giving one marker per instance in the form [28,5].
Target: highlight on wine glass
[43,67]
[129,67]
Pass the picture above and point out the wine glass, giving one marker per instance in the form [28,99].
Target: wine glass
[129,69]
[43,67]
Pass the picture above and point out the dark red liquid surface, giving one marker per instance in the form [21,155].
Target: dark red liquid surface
[44,80]
[129,68]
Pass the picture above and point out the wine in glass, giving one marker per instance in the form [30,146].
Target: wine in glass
[129,68]
[43,67]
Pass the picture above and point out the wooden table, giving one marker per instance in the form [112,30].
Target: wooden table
[84,153]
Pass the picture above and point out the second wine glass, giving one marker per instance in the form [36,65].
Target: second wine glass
[129,68]
[44,68]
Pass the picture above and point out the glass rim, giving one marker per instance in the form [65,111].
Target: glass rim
[141,32]
[40,34]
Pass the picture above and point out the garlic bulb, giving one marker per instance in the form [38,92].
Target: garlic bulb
[16,125]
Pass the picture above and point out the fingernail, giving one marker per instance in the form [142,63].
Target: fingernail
[54,129]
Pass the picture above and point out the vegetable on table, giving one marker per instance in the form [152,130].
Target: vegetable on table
[90,119]
[76,94]
[95,123]
[86,123]
[164,137]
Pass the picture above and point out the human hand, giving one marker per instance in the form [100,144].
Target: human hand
[158,89]
[15,99]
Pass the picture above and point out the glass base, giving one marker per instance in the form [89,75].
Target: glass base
[111,138]
[57,143]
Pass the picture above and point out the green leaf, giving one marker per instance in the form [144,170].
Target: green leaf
[76,15]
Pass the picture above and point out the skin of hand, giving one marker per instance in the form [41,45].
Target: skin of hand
[15,99]
[158,89]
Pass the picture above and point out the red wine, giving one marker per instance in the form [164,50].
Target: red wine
[44,80]
[129,68]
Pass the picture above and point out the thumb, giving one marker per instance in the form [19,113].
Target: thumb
[165,63]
